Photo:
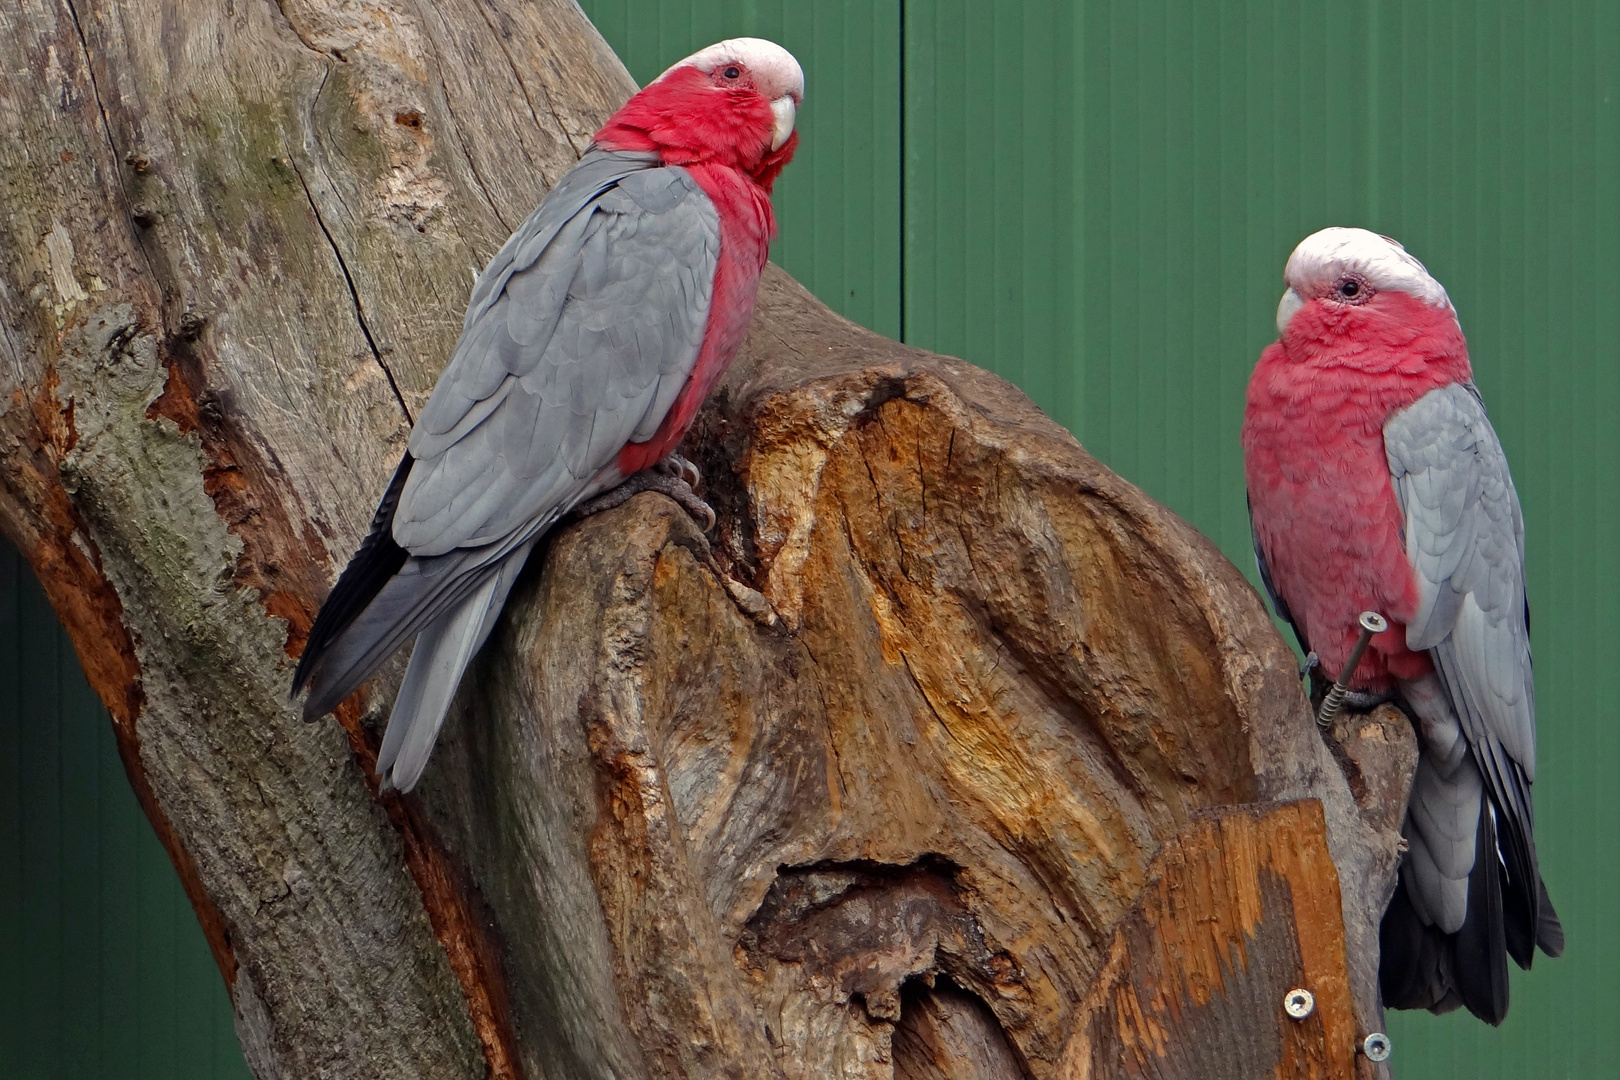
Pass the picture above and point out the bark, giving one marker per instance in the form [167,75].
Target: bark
[948,754]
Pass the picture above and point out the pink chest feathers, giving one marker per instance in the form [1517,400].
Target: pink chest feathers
[746,227]
[1325,515]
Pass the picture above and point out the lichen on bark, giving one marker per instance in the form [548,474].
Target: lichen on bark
[879,779]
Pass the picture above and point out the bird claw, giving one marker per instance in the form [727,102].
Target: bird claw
[1365,700]
[680,489]
[668,477]
[1312,662]
[679,467]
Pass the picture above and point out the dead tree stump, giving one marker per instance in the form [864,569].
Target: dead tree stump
[949,753]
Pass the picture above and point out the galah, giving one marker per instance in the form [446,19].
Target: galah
[591,339]
[1376,483]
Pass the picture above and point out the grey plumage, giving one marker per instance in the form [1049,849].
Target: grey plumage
[579,336]
[1464,538]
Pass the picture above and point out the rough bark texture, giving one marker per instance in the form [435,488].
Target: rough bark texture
[916,767]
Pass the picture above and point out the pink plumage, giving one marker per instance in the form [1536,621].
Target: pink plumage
[1377,483]
[591,340]
[1323,507]
[727,147]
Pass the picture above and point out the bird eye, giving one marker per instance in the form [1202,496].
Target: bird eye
[1352,289]
[733,72]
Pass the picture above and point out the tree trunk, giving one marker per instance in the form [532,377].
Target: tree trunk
[948,754]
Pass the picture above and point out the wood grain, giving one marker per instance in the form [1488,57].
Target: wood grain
[1240,913]
[866,783]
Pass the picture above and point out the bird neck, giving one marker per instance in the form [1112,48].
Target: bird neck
[1377,358]
[686,120]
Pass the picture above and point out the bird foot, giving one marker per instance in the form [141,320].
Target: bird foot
[1312,662]
[1364,700]
[680,468]
[674,476]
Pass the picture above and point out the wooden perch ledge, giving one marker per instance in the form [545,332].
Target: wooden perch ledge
[949,754]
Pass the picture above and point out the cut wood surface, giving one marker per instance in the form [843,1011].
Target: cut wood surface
[906,770]
[1241,912]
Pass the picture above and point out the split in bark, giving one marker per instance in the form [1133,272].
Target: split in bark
[912,770]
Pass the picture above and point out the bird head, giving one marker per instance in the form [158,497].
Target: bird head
[733,103]
[1346,277]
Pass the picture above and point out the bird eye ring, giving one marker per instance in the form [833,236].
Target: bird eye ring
[732,72]
[1352,289]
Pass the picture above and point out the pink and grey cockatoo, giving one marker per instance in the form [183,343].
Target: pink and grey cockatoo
[1377,484]
[592,338]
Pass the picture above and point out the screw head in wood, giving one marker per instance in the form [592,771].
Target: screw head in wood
[1299,1003]
[1376,1046]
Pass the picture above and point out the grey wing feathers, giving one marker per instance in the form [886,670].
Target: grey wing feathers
[583,349]
[579,336]
[1465,541]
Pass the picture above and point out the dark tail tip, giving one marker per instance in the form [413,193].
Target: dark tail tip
[378,560]
[1549,931]
[1420,967]
[1479,948]
[1415,960]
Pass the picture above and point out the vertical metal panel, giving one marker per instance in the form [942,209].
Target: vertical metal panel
[838,204]
[988,212]
[1498,166]
[103,969]
[1098,199]
[1207,140]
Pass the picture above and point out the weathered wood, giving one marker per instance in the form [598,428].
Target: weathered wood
[238,237]
[869,783]
[925,711]
[1240,913]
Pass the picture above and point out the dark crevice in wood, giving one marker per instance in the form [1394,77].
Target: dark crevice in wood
[947,1033]
[354,291]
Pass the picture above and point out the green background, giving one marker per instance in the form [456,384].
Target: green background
[1096,201]
[104,973]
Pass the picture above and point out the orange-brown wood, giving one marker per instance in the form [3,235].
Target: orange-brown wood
[872,781]
[1243,907]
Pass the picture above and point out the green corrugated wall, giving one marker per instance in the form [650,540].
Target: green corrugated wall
[1096,200]
[104,973]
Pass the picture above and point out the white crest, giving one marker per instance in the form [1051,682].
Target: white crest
[776,73]
[1323,257]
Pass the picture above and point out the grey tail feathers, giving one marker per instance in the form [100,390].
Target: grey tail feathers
[1421,967]
[444,649]
[372,567]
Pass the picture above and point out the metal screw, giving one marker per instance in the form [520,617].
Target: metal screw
[1299,1003]
[1376,1046]
[1371,623]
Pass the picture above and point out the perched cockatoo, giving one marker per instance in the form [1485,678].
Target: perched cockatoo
[1377,484]
[592,338]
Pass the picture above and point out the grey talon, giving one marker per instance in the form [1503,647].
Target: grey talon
[659,478]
